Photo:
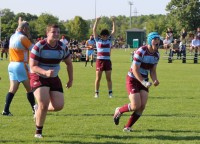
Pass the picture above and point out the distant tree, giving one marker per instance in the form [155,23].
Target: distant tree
[122,25]
[78,28]
[6,22]
[43,20]
[185,12]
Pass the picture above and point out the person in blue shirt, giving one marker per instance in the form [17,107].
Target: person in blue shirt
[90,45]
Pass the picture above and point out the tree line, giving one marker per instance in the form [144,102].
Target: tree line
[181,14]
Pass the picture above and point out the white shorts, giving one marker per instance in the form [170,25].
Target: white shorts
[18,71]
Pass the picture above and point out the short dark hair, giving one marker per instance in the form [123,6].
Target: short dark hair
[105,32]
[51,26]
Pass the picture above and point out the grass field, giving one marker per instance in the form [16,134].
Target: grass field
[172,114]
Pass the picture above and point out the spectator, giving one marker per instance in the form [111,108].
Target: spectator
[166,43]
[175,48]
[77,53]
[169,34]
[195,44]
[64,40]
[183,33]
[182,46]
[5,47]
[75,42]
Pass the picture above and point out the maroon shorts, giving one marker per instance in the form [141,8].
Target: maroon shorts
[134,86]
[37,81]
[103,65]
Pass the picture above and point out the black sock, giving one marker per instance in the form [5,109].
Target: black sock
[38,129]
[9,98]
[31,99]
[86,62]
[91,62]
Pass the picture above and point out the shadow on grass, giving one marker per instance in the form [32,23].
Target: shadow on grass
[174,131]
[135,136]
[111,139]
[127,114]
[43,141]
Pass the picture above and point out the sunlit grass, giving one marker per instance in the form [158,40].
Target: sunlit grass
[171,116]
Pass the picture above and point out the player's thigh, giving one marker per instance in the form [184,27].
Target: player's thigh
[42,95]
[135,100]
[27,86]
[57,98]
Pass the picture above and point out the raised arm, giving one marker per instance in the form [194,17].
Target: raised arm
[113,27]
[95,27]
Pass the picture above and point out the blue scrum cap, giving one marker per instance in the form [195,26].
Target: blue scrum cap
[151,36]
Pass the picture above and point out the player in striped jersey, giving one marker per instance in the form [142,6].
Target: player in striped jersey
[144,62]
[45,60]
[19,47]
[103,62]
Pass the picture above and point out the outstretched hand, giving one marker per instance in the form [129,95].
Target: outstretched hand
[98,18]
[69,84]
[19,20]
[112,18]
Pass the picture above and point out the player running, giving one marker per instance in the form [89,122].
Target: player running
[144,62]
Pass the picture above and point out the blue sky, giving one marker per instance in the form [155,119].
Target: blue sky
[68,9]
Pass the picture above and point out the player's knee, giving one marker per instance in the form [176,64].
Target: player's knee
[135,107]
[142,107]
[44,107]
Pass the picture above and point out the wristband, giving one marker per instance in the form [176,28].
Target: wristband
[146,84]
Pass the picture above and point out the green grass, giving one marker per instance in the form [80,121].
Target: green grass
[171,116]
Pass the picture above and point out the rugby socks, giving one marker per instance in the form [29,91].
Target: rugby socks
[97,92]
[125,108]
[91,63]
[38,129]
[110,92]
[9,98]
[133,118]
[86,62]
[31,99]
[6,55]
